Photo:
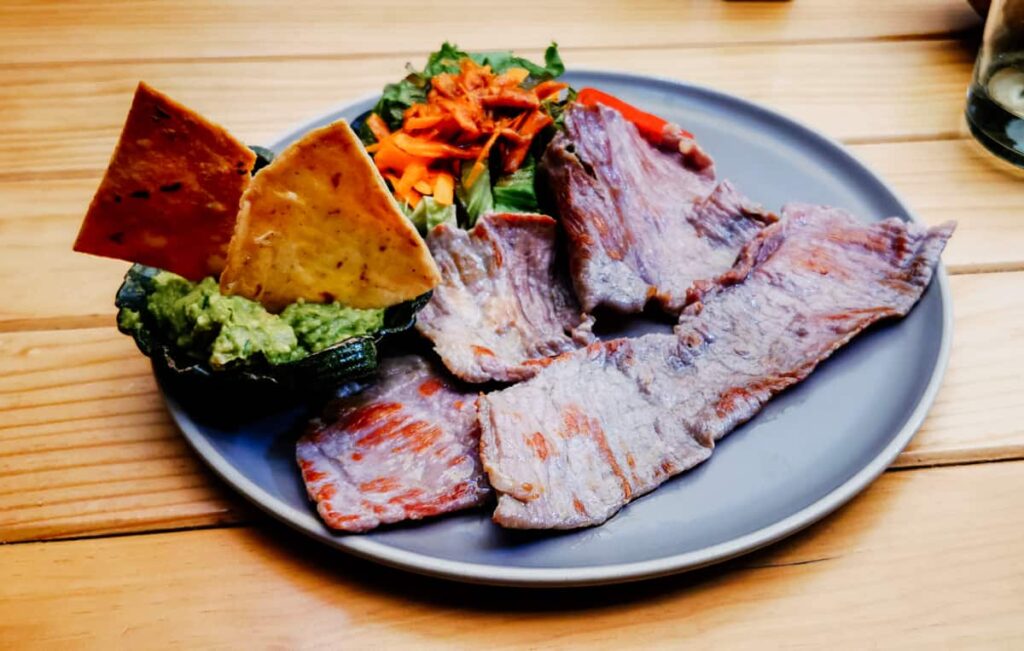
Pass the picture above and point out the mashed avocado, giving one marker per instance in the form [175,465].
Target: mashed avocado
[225,329]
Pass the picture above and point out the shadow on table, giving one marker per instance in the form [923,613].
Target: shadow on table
[804,548]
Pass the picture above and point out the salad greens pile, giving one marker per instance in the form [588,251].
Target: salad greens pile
[398,97]
[490,190]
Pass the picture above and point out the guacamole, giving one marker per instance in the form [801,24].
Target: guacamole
[230,329]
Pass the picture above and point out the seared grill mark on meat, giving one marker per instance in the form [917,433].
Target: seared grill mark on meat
[643,224]
[539,445]
[430,387]
[419,437]
[400,450]
[371,414]
[661,401]
[379,485]
[576,423]
[503,306]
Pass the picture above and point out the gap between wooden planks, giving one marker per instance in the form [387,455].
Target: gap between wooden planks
[913,559]
[110,31]
[42,279]
[86,447]
[63,121]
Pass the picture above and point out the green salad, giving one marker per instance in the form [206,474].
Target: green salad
[462,136]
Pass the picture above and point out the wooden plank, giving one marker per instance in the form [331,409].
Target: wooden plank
[978,414]
[912,560]
[940,180]
[41,276]
[59,119]
[962,181]
[107,30]
[86,448]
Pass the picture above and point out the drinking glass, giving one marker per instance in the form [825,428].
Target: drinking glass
[995,101]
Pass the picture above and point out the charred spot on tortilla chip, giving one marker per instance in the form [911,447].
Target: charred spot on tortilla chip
[182,228]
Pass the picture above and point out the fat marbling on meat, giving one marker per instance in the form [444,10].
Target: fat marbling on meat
[504,303]
[404,449]
[643,222]
[603,425]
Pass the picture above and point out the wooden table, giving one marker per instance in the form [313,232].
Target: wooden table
[117,536]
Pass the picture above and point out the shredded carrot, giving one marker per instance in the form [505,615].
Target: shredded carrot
[390,158]
[481,161]
[423,122]
[413,174]
[377,127]
[444,189]
[424,148]
[534,123]
[517,75]
[512,98]
[467,113]
[546,89]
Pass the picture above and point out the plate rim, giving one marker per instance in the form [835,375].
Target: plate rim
[481,573]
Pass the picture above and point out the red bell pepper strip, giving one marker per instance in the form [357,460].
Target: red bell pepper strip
[650,126]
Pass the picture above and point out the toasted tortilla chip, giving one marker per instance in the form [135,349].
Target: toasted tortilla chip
[319,224]
[170,195]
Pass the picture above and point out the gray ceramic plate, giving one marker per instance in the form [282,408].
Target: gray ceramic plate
[810,450]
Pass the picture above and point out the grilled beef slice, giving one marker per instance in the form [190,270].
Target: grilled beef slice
[642,224]
[403,449]
[503,304]
[605,424]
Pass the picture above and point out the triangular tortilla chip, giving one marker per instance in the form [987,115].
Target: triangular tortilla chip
[319,224]
[170,195]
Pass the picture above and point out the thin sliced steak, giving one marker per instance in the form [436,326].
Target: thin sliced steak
[642,224]
[403,449]
[603,425]
[503,304]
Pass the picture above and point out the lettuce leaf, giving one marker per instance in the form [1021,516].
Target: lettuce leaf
[444,60]
[515,192]
[477,198]
[447,60]
[502,61]
[428,214]
[398,97]
[512,193]
[394,101]
[556,108]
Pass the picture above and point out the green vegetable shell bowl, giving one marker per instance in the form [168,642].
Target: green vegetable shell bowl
[331,367]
